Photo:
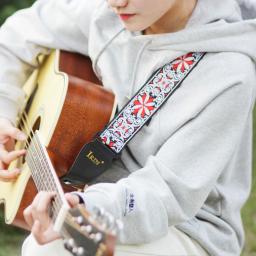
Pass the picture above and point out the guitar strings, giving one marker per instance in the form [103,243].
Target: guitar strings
[32,146]
[25,121]
[69,217]
[56,204]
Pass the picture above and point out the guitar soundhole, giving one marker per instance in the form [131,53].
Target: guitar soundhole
[31,98]
[30,133]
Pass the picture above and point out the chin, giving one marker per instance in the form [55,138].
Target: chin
[134,28]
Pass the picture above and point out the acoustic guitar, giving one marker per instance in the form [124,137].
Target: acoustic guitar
[67,106]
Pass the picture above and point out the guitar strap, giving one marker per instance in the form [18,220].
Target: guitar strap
[97,156]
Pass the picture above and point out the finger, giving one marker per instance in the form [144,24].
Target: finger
[4,138]
[43,237]
[7,129]
[40,197]
[27,213]
[37,233]
[6,175]
[9,145]
[72,199]
[2,166]
[17,134]
[35,203]
[40,208]
[7,157]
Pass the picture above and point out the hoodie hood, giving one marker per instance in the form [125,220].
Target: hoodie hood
[215,26]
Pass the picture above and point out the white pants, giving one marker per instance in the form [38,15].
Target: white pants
[175,243]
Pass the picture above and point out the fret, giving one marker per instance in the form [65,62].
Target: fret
[46,179]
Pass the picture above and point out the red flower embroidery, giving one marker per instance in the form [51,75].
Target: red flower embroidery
[107,141]
[183,62]
[143,105]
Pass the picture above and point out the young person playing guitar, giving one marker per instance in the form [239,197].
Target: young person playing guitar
[190,166]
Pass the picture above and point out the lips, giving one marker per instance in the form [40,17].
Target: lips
[126,16]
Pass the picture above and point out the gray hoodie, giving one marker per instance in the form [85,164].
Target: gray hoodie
[191,166]
[248,8]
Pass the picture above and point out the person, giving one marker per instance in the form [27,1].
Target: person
[189,169]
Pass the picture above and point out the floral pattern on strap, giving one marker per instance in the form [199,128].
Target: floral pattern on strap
[150,97]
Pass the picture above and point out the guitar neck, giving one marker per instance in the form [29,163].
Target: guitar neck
[45,179]
[84,234]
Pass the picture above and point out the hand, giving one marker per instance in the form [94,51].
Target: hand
[37,216]
[8,135]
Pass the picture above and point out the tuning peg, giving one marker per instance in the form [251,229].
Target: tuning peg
[74,251]
[110,218]
[117,228]
[87,229]
[107,221]
[98,212]
[79,220]
[69,244]
[78,251]
[98,237]
[104,218]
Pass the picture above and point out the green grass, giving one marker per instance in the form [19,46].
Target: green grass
[249,211]
[11,239]
[249,218]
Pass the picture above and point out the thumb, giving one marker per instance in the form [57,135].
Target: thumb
[72,199]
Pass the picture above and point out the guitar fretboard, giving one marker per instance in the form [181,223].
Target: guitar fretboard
[45,179]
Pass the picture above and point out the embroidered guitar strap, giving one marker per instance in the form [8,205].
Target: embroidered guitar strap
[97,156]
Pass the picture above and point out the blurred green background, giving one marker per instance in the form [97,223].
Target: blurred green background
[11,238]
[7,7]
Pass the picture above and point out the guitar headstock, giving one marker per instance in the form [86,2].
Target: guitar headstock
[89,234]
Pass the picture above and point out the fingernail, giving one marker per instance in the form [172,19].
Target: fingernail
[21,136]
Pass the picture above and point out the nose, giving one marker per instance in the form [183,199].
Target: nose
[118,3]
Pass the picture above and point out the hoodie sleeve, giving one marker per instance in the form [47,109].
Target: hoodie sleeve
[29,32]
[174,184]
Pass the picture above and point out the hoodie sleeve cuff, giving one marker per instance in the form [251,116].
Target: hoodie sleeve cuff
[80,196]
[92,199]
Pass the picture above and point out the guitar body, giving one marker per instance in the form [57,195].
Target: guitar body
[68,111]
